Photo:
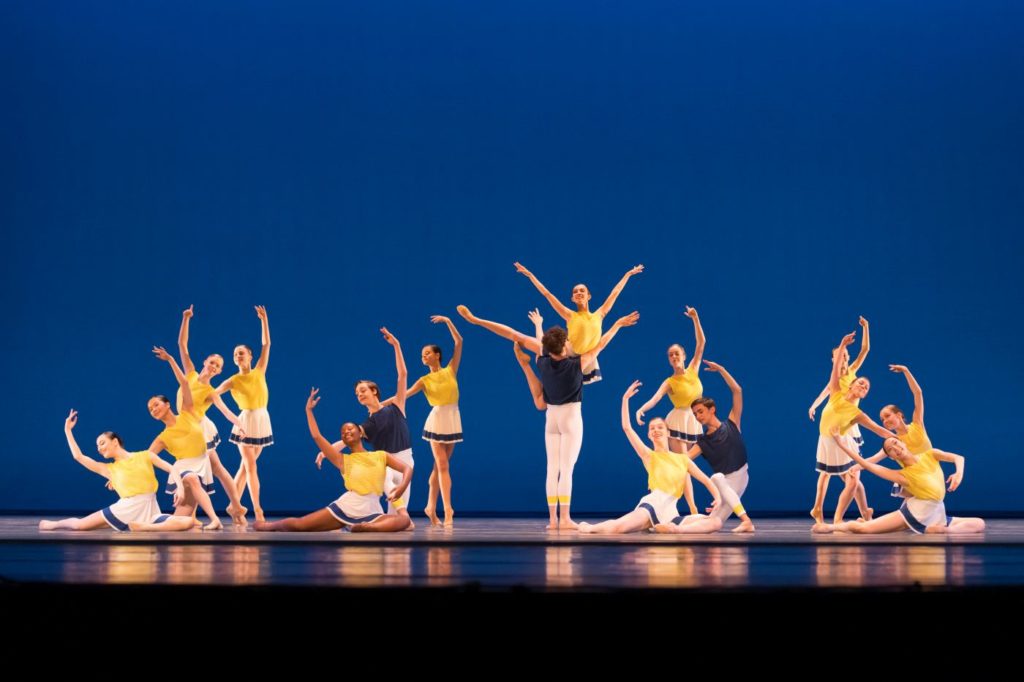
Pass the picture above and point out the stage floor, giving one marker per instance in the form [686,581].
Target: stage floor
[516,554]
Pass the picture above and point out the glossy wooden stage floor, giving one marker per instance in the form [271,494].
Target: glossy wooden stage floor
[494,555]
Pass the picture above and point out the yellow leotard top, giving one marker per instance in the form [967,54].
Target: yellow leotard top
[584,331]
[202,394]
[250,390]
[364,472]
[684,388]
[440,387]
[667,472]
[185,439]
[916,439]
[838,412]
[133,475]
[924,479]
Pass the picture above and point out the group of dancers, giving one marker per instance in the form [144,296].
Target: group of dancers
[566,360]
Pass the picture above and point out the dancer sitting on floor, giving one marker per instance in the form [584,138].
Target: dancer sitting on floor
[365,474]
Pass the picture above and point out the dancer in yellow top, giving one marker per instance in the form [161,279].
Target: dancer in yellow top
[843,412]
[443,428]
[841,467]
[683,387]
[249,389]
[365,475]
[203,396]
[584,327]
[183,438]
[131,476]
[924,511]
[667,474]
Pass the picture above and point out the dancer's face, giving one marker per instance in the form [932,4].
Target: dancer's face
[657,431]
[580,294]
[429,356]
[676,355]
[350,434]
[105,446]
[242,356]
[891,419]
[364,394]
[158,409]
[860,387]
[213,365]
[895,449]
[703,414]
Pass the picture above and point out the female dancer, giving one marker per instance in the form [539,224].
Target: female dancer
[443,428]
[203,396]
[364,474]
[683,387]
[387,429]
[131,476]
[561,378]
[924,511]
[842,412]
[249,389]
[667,473]
[584,327]
[183,438]
[848,374]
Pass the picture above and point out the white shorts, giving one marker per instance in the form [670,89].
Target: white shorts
[683,426]
[210,433]
[444,424]
[660,506]
[257,428]
[831,458]
[134,509]
[352,508]
[591,372]
[919,514]
[198,466]
[394,479]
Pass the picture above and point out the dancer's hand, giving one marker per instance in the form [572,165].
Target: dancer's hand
[187,313]
[261,312]
[240,431]
[320,460]
[177,498]
[388,336]
[633,389]
[810,413]
[953,482]
[635,270]
[535,317]
[712,366]
[110,484]
[640,417]
[691,313]
[848,339]
[522,270]
[72,419]
[715,504]
[862,322]
[313,399]
[161,353]
[899,369]
[438,319]
[628,320]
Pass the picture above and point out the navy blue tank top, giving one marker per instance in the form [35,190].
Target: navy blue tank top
[724,449]
[388,430]
[562,379]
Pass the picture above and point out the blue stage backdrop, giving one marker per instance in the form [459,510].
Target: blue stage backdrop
[782,167]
